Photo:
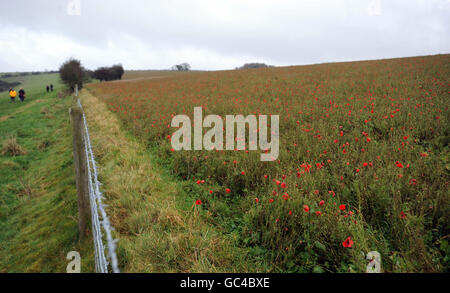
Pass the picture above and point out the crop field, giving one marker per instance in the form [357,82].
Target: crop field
[147,74]
[363,163]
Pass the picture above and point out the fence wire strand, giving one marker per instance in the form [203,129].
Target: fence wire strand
[99,217]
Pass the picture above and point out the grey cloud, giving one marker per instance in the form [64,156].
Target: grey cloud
[279,32]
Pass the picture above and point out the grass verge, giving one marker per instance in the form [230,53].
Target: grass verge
[159,227]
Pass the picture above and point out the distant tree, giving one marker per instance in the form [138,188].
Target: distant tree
[253,65]
[101,74]
[181,67]
[117,72]
[109,73]
[72,73]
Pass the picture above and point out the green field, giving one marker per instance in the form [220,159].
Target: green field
[38,206]
[33,83]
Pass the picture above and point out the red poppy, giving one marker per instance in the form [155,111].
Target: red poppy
[228,190]
[402,215]
[342,207]
[306,208]
[348,243]
[198,202]
[322,202]
[283,185]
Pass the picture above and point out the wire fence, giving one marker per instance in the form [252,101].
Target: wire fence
[101,226]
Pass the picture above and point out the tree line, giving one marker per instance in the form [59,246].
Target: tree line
[114,72]
[73,73]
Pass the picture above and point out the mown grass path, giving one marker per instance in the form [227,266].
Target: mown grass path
[38,204]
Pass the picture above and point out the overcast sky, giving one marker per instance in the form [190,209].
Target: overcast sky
[216,34]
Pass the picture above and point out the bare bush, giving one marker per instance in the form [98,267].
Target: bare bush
[10,147]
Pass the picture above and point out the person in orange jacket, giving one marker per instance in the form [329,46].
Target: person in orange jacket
[12,94]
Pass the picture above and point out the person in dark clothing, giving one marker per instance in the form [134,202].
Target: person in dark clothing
[51,87]
[22,95]
[48,89]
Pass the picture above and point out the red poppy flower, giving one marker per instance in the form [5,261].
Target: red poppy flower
[348,243]
[322,202]
[198,202]
[306,208]
[283,185]
[228,190]
[402,215]
[342,207]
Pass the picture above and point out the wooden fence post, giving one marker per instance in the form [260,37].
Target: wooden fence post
[81,172]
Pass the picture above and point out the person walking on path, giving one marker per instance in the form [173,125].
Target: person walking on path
[48,89]
[22,95]
[51,87]
[12,94]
